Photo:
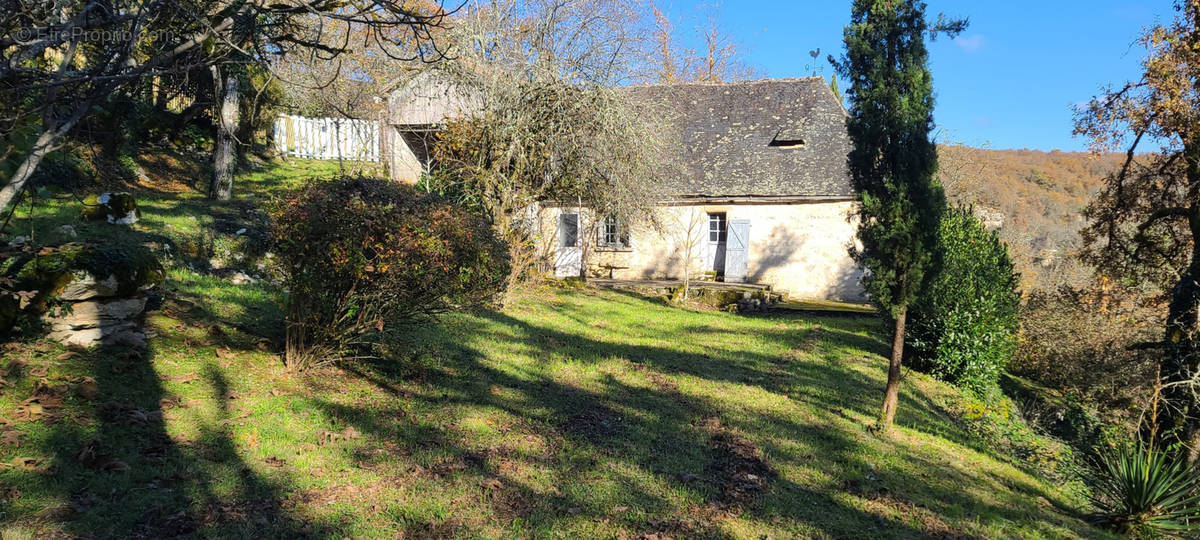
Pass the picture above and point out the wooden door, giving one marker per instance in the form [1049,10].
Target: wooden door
[737,251]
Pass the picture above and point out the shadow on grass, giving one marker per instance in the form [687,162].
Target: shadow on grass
[110,468]
[636,448]
[656,434]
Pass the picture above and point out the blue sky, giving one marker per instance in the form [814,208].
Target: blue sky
[1008,82]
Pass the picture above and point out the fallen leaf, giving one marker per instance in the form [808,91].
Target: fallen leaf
[491,483]
[225,353]
[170,402]
[10,437]
[326,436]
[40,371]
[88,389]
[68,355]
[275,461]
[24,463]
[31,411]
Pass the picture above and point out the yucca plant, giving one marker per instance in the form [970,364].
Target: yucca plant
[1142,490]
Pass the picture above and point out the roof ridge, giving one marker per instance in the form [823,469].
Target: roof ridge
[813,78]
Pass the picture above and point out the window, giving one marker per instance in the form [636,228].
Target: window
[716,228]
[568,230]
[787,143]
[613,234]
[788,137]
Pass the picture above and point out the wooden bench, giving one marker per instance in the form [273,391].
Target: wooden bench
[611,268]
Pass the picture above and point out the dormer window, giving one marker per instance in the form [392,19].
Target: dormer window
[788,137]
[787,143]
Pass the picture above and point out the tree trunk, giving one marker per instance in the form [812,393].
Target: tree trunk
[1180,417]
[891,396]
[42,146]
[225,154]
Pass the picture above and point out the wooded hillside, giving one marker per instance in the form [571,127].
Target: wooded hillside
[1037,199]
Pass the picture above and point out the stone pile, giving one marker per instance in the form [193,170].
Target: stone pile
[92,312]
[84,294]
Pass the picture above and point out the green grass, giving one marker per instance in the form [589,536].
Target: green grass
[567,413]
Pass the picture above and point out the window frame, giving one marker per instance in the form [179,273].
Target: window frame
[721,220]
[613,235]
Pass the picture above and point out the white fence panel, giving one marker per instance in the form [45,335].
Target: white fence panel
[327,138]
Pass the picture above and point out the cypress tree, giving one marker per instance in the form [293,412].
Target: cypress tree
[894,160]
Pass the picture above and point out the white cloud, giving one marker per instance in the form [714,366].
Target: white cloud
[970,43]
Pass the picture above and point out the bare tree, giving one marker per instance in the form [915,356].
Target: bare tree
[350,85]
[671,62]
[690,227]
[722,58]
[101,47]
[549,123]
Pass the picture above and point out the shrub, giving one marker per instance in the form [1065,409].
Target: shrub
[1144,491]
[963,327]
[1079,342]
[358,254]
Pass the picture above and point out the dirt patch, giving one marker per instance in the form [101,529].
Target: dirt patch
[594,424]
[663,383]
[741,469]
[264,513]
[915,515]
[449,528]
[509,502]
[158,522]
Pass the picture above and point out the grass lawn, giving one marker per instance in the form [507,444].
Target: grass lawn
[567,413]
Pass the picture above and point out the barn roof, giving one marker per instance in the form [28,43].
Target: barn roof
[768,138]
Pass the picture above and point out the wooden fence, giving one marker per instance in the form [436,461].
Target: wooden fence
[327,138]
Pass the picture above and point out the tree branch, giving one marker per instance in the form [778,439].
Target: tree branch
[1161,214]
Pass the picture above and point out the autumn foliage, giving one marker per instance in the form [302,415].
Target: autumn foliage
[1037,200]
[361,254]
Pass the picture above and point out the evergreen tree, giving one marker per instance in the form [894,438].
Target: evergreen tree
[894,160]
[833,85]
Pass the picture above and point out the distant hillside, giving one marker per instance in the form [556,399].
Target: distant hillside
[1035,197]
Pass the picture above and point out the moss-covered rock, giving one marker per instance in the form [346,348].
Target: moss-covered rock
[81,271]
[120,208]
[85,294]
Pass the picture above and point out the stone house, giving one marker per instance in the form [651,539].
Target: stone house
[764,196]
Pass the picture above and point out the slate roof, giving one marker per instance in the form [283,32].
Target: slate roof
[726,132]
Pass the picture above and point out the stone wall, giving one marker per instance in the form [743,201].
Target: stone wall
[801,248]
